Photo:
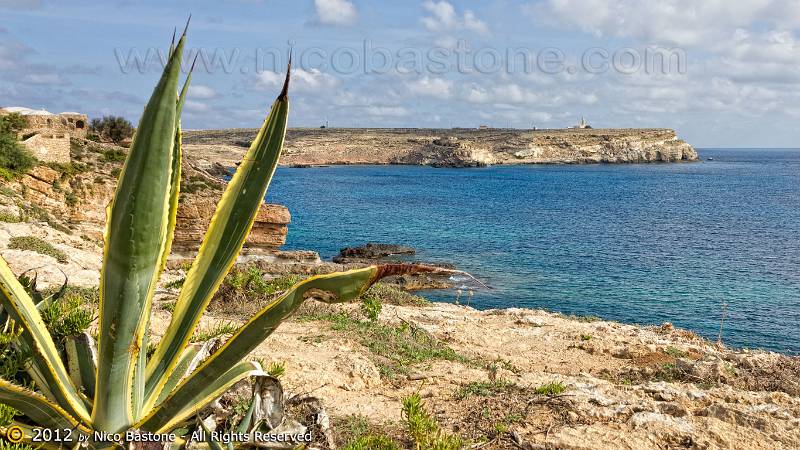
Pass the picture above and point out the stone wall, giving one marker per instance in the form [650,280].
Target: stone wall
[49,147]
[71,123]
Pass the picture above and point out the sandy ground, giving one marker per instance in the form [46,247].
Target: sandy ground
[626,386]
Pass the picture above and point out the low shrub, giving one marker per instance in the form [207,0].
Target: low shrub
[396,347]
[552,388]
[424,429]
[371,307]
[112,155]
[67,317]
[37,245]
[9,218]
[113,128]
[392,295]
[15,160]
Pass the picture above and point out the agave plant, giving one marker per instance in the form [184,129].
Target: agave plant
[97,391]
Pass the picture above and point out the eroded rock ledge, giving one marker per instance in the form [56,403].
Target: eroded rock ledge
[452,147]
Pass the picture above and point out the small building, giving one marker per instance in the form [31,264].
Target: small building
[46,134]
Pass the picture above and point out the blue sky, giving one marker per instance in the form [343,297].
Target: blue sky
[722,73]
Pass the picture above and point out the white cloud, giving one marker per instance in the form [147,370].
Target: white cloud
[335,12]
[43,78]
[503,92]
[444,18]
[312,80]
[200,91]
[197,107]
[679,22]
[386,111]
[430,87]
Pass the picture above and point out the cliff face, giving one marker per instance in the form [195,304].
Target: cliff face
[65,205]
[452,147]
[194,215]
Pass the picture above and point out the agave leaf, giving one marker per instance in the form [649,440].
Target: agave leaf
[82,362]
[174,191]
[191,358]
[211,391]
[38,408]
[36,340]
[213,445]
[136,230]
[223,241]
[330,288]
[175,182]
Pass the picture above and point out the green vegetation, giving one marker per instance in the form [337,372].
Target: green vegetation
[66,312]
[175,284]
[372,442]
[9,218]
[70,198]
[33,211]
[358,434]
[197,183]
[5,445]
[68,170]
[276,369]
[392,295]
[424,429]
[484,388]
[214,331]
[586,337]
[371,307]
[251,281]
[37,245]
[551,389]
[246,290]
[586,319]
[12,123]
[68,316]
[675,352]
[111,128]
[396,347]
[15,160]
[112,155]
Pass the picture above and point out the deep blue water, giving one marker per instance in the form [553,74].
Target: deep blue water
[635,243]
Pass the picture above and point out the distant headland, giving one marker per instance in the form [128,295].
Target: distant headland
[455,147]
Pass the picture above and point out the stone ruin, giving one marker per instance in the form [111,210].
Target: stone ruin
[47,135]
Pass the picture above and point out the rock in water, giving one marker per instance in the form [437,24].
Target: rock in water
[371,252]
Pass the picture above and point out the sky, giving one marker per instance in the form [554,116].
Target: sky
[721,73]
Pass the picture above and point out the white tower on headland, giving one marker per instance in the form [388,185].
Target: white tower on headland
[583,124]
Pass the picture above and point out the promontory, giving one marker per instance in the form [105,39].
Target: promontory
[457,147]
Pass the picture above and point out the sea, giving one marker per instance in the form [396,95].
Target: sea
[710,246]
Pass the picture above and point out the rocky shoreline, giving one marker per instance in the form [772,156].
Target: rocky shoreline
[307,147]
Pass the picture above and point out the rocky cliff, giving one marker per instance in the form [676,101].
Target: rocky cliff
[452,147]
[64,204]
[194,215]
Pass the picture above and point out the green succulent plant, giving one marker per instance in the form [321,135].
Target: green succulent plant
[114,386]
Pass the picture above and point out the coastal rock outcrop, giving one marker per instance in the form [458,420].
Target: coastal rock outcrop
[457,147]
[371,252]
[194,215]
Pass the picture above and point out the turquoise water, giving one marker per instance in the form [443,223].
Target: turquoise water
[634,243]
